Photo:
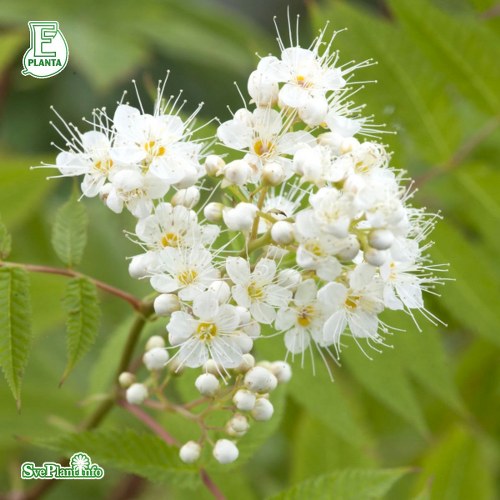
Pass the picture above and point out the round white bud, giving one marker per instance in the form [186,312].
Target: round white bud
[244,314]
[282,232]
[244,400]
[351,248]
[263,410]
[136,394]
[307,163]
[221,290]
[154,341]
[237,172]
[260,380]
[126,379]
[211,367]
[225,451]
[214,165]
[241,217]
[376,257]
[289,278]
[190,177]
[247,362]
[213,211]
[207,384]
[239,423]
[166,303]
[266,364]
[156,358]
[244,115]
[252,329]
[381,239]
[139,266]
[273,174]
[282,371]
[186,197]
[190,452]
[262,89]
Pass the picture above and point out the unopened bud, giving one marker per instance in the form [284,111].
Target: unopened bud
[190,452]
[381,239]
[186,197]
[225,451]
[260,380]
[156,358]
[136,394]
[154,341]
[126,379]
[263,410]
[282,232]
[207,384]
[213,211]
[244,400]
[214,165]
[273,174]
[166,303]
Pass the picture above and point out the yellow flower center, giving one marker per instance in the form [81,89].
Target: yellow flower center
[351,302]
[301,80]
[153,149]
[170,240]
[255,292]
[314,248]
[187,277]
[305,315]
[104,166]
[206,331]
[263,147]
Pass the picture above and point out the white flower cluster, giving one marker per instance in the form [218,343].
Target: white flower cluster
[247,398]
[307,229]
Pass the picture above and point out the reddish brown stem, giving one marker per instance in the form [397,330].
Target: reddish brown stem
[127,297]
[211,486]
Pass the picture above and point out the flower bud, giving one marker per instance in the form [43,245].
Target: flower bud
[262,89]
[252,329]
[166,303]
[282,371]
[237,172]
[263,410]
[282,232]
[247,362]
[154,341]
[376,257]
[350,249]
[239,423]
[289,278]
[241,217]
[381,239]
[207,384]
[211,367]
[225,451]
[139,266]
[126,379]
[213,211]
[221,290]
[189,179]
[273,174]
[244,314]
[260,380]
[156,358]
[186,197]
[214,165]
[244,400]
[136,394]
[190,452]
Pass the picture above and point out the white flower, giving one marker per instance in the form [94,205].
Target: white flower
[92,160]
[302,320]
[211,333]
[264,137]
[134,190]
[157,142]
[175,227]
[257,290]
[356,306]
[188,271]
[402,288]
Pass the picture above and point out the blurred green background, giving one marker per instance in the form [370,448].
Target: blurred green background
[430,404]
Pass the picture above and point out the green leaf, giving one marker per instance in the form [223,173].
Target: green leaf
[458,46]
[472,298]
[15,326]
[82,308]
[5,241]
[384,378]
[346,484]
[69,234]
[459,468]
[124,449]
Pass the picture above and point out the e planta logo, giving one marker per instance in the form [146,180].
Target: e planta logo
[80,467]
[48,53]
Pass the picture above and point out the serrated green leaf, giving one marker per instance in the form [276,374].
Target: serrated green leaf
[124,449]
[82,308]
[458,46]
[69,234]
[385,379]
[346,484]
[5,241]
[15,326]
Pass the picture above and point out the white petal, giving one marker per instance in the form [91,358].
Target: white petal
[363,324]
[332,295]
[264,270]
[240,295]
[164,284]
[297,340]
[411,295]
[306,292]
[285,319]
[206,305]
[193,354]
[277,296]
[180,327]
[334,327]
[235,134]
[238,270]
[263,313]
